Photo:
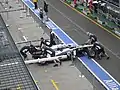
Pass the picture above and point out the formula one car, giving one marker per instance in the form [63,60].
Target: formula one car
[60,51]
[55,50]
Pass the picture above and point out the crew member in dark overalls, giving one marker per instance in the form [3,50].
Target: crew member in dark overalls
[52,39]
[92,38]
[35,3]
[24,50]
[52,53]
[32,50]
[46,8]
[44,42]
[41,15]
[35,52]
[99,50]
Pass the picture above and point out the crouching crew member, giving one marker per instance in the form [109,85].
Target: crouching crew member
[99,50]
[34,52]
[32,49]
[24,50]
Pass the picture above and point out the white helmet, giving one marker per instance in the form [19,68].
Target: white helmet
[41,9]
[97,42]
[88,33]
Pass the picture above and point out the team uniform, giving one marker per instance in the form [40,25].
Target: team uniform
[92,38]
[44,42]
[51,52]
[23,51]
[99,50]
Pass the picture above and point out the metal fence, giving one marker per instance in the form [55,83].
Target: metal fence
[14,74]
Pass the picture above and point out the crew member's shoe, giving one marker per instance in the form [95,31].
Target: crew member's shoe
[60,63]
[108,57]
[56,65]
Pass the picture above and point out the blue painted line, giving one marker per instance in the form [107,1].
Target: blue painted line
[61,35]
[51,25]
[36,11]
[29,4]
[91,65]
[103,76]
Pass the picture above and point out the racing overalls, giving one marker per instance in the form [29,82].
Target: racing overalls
[24,50]
[92,38]
[99,49]
[44,42]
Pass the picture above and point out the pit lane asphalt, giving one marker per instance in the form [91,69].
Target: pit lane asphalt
[75,26]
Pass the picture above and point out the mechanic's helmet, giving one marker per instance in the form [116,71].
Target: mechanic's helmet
[88,33]
[41,38]
[96,42]
[40,8]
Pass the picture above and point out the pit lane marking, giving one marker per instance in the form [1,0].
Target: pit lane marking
[55,85]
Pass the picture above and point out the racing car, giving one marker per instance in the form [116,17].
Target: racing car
[55,50]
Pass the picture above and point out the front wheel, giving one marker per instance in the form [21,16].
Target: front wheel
[92,53]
